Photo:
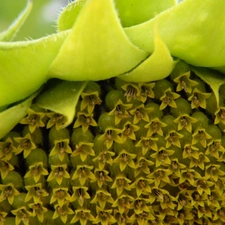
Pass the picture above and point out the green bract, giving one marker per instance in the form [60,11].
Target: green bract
[138,41]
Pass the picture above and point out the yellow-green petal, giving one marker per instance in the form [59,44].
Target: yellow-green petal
[190,30]
[97,47]
[132,12]
[157,66]
[24,66]
[61,97]
[69,14]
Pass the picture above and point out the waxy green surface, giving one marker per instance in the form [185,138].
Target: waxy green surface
[139,41]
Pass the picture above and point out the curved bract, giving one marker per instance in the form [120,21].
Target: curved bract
[11,116]
[192,30]
[69,15]
[149,69]
[9,34]
[132,12]
[110,51]
[66,94]
[24,66]
[100,39]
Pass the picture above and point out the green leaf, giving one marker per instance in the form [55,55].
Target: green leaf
[157,66]
[97,47]
[62,97]
[10,33]
[12,116]
[213,78]
[24,66]
[132,12]
[190,30]
[69,15]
